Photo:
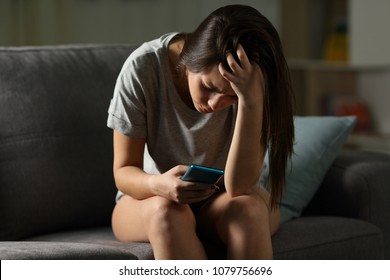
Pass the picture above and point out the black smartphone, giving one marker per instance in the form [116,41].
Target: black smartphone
[202,174]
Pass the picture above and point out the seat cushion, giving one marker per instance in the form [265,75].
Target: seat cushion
[99,237]
[328,238]
[304,238]
[50,250]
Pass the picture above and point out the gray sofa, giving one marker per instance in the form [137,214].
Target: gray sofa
[56,184]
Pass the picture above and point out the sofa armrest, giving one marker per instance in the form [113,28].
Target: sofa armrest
[357,185]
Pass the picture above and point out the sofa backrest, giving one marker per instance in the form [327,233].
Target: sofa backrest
[55,148]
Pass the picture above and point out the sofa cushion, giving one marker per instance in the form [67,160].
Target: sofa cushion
[328,238]
[318,140]
[98,236]
[303,238]
[55,149]
[40,250]
[357,185]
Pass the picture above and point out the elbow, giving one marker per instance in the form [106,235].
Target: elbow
[241,182]
[239,188]
[233,193]
[236,193]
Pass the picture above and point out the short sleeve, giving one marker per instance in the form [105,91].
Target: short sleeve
[127,110]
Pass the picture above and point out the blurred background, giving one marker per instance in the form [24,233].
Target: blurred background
[338,50]
[37,22]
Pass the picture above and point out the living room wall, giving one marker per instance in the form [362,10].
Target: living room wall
[42,22]
[50,22]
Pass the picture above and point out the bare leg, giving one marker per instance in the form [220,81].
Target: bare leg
[244,223]
[168,226]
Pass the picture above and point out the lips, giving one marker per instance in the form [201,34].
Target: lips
[205,110]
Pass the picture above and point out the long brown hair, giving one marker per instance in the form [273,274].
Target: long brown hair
[221,32]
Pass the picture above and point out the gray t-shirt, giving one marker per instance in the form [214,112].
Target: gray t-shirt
[146,104]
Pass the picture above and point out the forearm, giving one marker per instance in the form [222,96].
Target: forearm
[133,181]
[246,154]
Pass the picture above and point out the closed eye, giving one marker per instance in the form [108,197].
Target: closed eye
[211,88]
[207,88]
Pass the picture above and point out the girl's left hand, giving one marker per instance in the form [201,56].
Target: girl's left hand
[246,80]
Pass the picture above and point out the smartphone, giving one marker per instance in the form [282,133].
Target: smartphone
[202,174]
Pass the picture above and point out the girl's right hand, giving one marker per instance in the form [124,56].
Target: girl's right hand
[170,186]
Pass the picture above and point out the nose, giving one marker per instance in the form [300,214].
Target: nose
[220,101]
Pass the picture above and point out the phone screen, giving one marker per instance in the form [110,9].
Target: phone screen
[202,174]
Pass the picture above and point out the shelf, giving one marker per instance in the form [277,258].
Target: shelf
[363,74]
[321,65]
[309,25]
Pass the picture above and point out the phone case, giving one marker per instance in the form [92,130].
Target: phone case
[202,174]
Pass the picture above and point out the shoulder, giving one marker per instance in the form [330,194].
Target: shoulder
[142,72]
[150,53]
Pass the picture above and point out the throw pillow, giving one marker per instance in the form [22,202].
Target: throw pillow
[318,140]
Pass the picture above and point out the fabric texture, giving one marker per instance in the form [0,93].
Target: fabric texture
[318,140]
[98,237]
[55,150]
[356,185]
[303,238]
[328,238]
[61,251]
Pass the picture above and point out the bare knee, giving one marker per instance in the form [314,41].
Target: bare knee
[167,217]
[245,218]
[253,210]
[247,210]
[246,228]
[172,231]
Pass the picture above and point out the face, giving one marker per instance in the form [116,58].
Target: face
[210,92]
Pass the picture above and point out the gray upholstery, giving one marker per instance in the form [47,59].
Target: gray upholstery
[56,185]
[55,149]
[28,250]
[323,238]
